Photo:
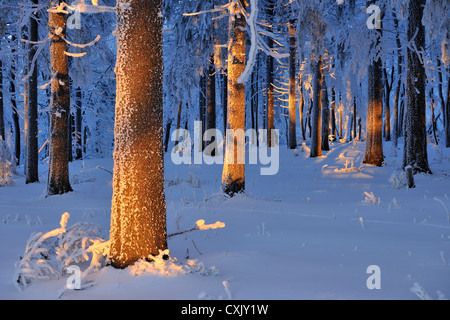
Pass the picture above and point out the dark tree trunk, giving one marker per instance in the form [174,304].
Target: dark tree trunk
[32,160]
[325,118]
[211,103]
[415,152]
[2,119]
[58,173]
[78,125]
[316,150]
[333,114]
[396,130]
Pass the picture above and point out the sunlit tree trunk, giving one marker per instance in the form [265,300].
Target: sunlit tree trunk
[292,96]
[58,172]
[138,211]
[374,143]
[32,155]
[415,149]
[233,176]
[316,134]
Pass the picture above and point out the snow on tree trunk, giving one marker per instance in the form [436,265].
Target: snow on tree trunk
[292,87]
[32,154]
[233,176]
[211,102]
[316,133]
[138,211]
[415,148]
[58,172]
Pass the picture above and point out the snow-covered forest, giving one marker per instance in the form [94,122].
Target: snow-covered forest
[225,150]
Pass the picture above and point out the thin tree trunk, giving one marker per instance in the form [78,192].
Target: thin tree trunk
[78,125]
[354,118]
[32,172]
[333,114]
[270,79]
[138,211]
[395,131]
[415,151]
[325,118]
[233,176]
[316,150]
[2,119]
[58,173]
[301,108]
[447,123]
[211,102]
[292,97]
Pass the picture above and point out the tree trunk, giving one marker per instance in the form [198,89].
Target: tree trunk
[395,131]
[2,119]
[14,111]
[325,118]
[270,79]
[292,97]
[78,125]
[138,211]
[32,160]
[415,151]
[58,173]
[211,103]
[202,110]
[233,176]
[301,108]
[316,150]
[374,144]
[333,114]
[354,119]
[387,104]
[447,123]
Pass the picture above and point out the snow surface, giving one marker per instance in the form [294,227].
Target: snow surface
[309,232]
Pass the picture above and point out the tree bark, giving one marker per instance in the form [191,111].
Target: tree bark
[395,131]
[415,149]
[58,173]
[211,102]
[374,144]
[2,119]
[233,176]
[325,118]
[292,96]
[270,79]
[78,125]
[138,211]
[32,160]
[316,132]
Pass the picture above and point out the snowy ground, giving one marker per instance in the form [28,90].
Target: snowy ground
[309,232]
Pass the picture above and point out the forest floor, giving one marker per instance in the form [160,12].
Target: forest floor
[309,232]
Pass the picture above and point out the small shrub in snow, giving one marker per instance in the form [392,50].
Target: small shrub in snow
[371,199]
[7,164]
[48,255]
[398,179]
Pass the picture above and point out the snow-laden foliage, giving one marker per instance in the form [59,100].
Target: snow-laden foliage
[7,164]
[48,255]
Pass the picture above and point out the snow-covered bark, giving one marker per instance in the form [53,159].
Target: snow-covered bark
[233,176]
[138,212]
[292,87]
[415,148]
[58,172]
